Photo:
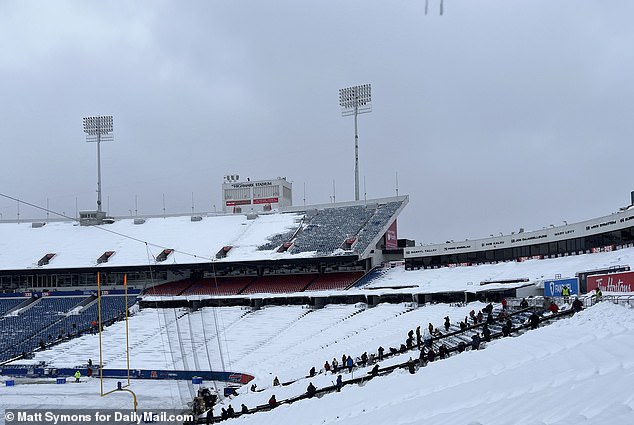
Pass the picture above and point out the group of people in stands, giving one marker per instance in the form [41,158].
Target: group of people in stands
[346,362]
[424,344]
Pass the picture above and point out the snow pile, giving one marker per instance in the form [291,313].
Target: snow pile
[578,370]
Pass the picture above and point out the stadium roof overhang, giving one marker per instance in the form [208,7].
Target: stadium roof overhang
[206,266]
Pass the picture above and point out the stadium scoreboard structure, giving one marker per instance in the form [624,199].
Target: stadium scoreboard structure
[239,196]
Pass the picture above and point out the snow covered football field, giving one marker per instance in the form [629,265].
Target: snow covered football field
[577,370]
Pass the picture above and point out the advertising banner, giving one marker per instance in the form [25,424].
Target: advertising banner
[242,202]
[614,282]
[391,240]
[266,201]
[552,288]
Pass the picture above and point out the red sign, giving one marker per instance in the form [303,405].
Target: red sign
[608,248]
[391,240]
[615,282]
[243,202]
[266,201]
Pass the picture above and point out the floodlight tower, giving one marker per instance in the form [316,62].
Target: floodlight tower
[354,101]
[98,129]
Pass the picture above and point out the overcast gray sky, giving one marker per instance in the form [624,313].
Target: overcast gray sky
[497,115]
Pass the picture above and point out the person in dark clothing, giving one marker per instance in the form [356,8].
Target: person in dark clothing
[422,358]
[431,355]
[272,401]
[509,323]
[230,412]
[419,337]
[381,350]
[209,418]
[364,357]
[410,334]
[244,409]
[350,364]
[577,305]
[339,383]
[475,341]
[427,341]
[89,362]
[473,317]
[403,348]
[505,330]
[534,320]
[392,350]
[411,367]
[461,346]
[442,351]
[479,317]
[223,414]
[375,370]
[276,382]
[327,367]
[490,319]
[311,373]
[488,309]
[409,342]
[430,327]
[486,333]
[344,358]
[311,390]
[463,326]
[42,345]
[447,323]
[524,303]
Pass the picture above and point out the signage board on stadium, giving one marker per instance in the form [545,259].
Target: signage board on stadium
[552,288]
[266,201]
[391,238]
[613,282]
[241,202]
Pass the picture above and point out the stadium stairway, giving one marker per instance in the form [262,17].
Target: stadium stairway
[520,326]
[368,278]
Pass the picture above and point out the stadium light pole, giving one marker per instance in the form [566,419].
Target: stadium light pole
[98,129]
[356,100]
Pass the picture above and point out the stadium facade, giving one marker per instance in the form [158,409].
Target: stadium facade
[599,234]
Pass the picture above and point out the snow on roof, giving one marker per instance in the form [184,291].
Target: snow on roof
[469,278]
[21,246]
